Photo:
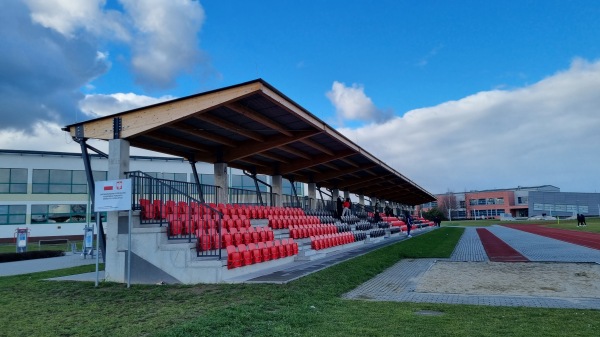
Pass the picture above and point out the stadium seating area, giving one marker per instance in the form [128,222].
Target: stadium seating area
[229,227]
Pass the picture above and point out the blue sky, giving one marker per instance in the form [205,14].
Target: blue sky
[456,95]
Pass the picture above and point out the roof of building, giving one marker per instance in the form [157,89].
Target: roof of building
[254,127]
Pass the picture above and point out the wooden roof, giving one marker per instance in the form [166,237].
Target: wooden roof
[254,127]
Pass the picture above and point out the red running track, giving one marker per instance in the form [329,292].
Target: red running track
[586,239]
[498,250]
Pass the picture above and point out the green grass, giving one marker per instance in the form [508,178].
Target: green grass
[310,306]
[34,246]
[593,224]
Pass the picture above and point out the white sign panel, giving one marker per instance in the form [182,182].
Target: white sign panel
[112,195]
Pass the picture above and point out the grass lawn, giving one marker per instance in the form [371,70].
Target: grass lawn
[310,306]
[33,246]
[593,224]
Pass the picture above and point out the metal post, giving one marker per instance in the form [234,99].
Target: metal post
[129,250]
[197,179]
[97,245]
[91,190]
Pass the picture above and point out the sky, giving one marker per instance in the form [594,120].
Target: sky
[455,95]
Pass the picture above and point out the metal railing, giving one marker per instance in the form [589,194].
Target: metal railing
[177,205]
[249,197]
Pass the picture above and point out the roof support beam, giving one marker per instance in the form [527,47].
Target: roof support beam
[245,111]
[337,173]
[180,127]
[314,162]
[231,127]
[273,142]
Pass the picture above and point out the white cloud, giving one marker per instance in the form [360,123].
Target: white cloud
[351,103]
[98,105]
[546,133]
[69,17]
[53,49]
[162,35]
[166,42]
[44,136]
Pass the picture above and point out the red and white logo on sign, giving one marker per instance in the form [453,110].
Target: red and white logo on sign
[108,188]
[119,185]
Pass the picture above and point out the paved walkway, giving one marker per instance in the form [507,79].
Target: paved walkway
[38,265]
[399,282]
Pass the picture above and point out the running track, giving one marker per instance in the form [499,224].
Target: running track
[498,250]
[586,239]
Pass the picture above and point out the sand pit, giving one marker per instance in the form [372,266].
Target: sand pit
[569,280]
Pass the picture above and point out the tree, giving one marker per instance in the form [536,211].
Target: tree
[432,213]
[447,203]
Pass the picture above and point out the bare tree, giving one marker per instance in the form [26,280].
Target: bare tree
[447,203]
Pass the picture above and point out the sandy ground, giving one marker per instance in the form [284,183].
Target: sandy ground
[574,280]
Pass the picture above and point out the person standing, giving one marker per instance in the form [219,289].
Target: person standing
[409,222]
[346,206]
[339,208]
[578,219]
[583,220]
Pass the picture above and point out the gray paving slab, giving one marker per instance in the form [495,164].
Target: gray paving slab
[469,247]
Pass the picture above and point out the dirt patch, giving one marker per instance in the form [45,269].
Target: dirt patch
[574,280]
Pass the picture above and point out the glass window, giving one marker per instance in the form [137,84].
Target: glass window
[491,201]
[12,214]
[79,177]
[60,177]
[472,202]
[41,176]
[500,201]
[4,176]
[13,180]
[207,179]
[480,201]
[58,213]
[99,175]
[63,181]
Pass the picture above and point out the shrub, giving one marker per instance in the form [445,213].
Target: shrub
[38,254]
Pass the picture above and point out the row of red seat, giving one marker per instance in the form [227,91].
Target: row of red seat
[245,255]
[247,236]
[300,232]
[187,226]
[278,222]
[331,240]
[209,239]
[260,212]
[156,209]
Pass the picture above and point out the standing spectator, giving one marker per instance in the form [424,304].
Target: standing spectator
[377,216]
[339,208]
[583,220]
[409,221]
[346,205]
[578,219]
[437,220]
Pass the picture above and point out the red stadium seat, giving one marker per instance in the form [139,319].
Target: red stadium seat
[273,249]
[245,255]
[265,251]
[256,253]
[233,258]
